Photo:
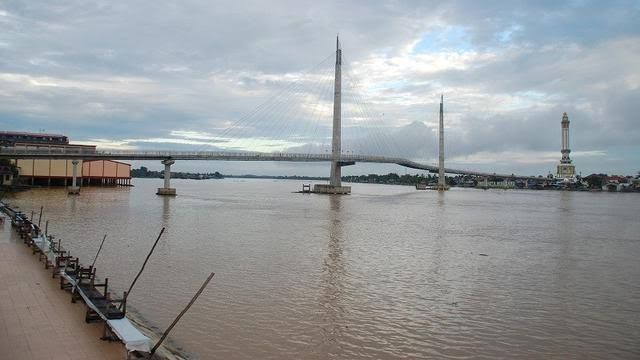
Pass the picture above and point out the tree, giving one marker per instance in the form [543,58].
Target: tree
[10,165]
[596,180]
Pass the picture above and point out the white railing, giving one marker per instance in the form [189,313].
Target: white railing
[46,152]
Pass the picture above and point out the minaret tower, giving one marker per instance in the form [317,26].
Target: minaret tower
[565,139]
[442,185]
[566,170]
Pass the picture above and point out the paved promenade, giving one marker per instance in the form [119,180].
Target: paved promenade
[37,319]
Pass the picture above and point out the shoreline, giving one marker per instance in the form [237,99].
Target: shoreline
[38,320]
[20,262]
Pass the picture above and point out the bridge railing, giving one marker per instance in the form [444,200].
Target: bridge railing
[22,151]
[195,154]
[44,150]
[8,150]
[83,153]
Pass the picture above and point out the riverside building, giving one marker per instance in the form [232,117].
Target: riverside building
[56,172]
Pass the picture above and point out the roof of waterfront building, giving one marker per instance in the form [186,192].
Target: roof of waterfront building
[40,138]
[45,144]
[28,133]
[617,178]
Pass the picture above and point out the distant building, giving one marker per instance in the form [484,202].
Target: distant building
[615,183]
[98,172]
[566,170]
[53,172]
[493,182]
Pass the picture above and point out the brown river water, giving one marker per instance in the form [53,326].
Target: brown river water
[385,273]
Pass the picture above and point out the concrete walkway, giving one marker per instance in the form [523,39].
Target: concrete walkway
[37,319]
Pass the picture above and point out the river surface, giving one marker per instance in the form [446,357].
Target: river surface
[385,273]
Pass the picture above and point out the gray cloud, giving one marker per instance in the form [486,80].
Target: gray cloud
[134,71]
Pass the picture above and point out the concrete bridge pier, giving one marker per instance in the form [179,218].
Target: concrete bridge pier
[167,189]
[74,189]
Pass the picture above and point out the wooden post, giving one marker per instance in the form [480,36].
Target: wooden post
[193,300]
[40,217]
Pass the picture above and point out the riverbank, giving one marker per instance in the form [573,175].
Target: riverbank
[37,320]
[387,272]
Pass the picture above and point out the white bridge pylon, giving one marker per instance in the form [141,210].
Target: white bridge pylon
[336,158]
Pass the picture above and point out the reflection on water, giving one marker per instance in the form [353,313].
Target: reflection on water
[387,272]
[166,209]
[441,197]
[332,278]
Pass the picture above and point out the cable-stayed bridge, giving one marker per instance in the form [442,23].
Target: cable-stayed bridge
[345,159]
[280,112]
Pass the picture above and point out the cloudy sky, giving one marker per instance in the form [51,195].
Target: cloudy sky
[257,75]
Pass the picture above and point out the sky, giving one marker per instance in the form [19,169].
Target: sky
[258,76]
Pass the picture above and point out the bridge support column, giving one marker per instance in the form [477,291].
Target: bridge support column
[74,189]
[167,189]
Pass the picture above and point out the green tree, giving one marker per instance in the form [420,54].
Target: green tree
[10,165]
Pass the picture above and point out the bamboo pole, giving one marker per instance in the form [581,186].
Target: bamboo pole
[142,268]
[193,300]
[40,217]
[100,248]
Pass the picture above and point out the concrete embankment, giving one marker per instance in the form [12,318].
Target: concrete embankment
[37,320]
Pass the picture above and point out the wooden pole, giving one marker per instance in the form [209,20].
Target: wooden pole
[142,268]
[100,248]
[40,217]
[193,300]
[46,227]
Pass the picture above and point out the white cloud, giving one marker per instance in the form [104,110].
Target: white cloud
[105,144]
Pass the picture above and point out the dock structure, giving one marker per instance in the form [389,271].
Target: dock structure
[37,320]
[82,283]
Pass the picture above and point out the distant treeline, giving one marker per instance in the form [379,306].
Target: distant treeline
[143,172]
[278,177]
[393,178]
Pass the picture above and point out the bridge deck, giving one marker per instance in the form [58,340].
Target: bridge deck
[14,153]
